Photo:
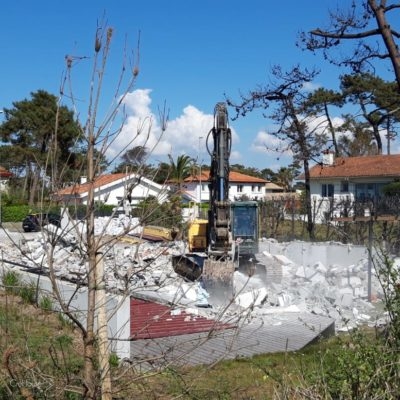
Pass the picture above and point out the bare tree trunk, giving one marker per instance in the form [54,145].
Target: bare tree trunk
[310,220]
[332,131]
[33,189]
[89,339]
[387,36]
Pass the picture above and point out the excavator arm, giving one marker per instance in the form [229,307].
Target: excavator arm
[219,267]
[219,219]
[215,267]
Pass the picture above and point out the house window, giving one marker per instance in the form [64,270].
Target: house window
[327,190]
[239,188]
[344,187]
[367,191]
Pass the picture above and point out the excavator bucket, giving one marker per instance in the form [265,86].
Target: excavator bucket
[218,271]
[217,278]
[188,266]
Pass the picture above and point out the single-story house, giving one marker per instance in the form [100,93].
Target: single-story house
[114,189]
[240,186]
[335,182]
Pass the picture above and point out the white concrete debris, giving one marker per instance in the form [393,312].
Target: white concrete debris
[329,279]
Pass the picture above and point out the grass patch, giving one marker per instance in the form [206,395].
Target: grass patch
[11,281]
[45,303]
[37,350]
[326,370]
[42,350]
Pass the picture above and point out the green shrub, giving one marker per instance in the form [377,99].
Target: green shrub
[45,303]
[167,214]
[14,213]
[113,360]
[11,281]
[391,189]
[364,365]
[28,293]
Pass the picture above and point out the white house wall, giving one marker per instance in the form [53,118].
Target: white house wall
[114,192]
[113,196]
[193,189]
[321,205]
[252,191]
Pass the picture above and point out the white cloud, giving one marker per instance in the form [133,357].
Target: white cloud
[140,128]
[267,143]
[185,134]
[236,156]
[310,86]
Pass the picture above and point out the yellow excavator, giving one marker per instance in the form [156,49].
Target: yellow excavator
[230,233]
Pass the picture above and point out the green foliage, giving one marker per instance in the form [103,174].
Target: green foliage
[113,360]
[80,211]
[11,281]
[28,131]
[14,213]
[13,284]
[28,292]
[389,276]
[251,171]
[180,168]
[391,189]
[134,160]
[41,354]
[355,368]
[167,214]
[46,303]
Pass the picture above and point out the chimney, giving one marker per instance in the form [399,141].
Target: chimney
[83,180]
[328,158]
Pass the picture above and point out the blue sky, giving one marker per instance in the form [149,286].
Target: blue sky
[191,53]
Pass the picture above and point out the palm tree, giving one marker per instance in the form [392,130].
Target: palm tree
[180,169]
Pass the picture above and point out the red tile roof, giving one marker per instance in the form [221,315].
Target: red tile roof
[236,177]
[4,173]
[359,167]
[100,181]
[151,320]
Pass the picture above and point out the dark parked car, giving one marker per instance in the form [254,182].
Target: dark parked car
[34,222]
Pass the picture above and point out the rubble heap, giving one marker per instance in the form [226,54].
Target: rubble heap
[291,277]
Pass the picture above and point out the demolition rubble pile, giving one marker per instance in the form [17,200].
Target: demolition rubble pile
[328,279]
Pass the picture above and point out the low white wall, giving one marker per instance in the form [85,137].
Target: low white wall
[308,254]
[118,307]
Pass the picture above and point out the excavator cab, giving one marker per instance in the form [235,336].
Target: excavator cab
[245,227]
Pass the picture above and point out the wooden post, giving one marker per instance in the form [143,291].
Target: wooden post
[102,330]
[370,237]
